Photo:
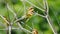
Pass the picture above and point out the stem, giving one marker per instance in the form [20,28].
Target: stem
[23,28]
[9,29]
[4,19]
[26,25]
[40,15]
[15,15]
[34,5]
[51,24]
[20,19]
[48,17]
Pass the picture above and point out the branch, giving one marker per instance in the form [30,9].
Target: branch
[34,5]
[48,17]
[9,29]
[4,19]
[26,25]
[46,7]
[39,15]
[51,25]
[16,19]
[23,28]
[20,18]
[11,10]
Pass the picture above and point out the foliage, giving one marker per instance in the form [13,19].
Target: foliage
[16,13]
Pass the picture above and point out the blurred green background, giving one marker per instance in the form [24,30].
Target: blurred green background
[39,23]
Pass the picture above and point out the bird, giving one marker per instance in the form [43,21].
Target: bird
[30,12]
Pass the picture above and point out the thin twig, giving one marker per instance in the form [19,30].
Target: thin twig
[40,15]
[48,17]
[10,9]
[34,5]
[44,3]
[17,18]
[4,19]
[23,28]
[26,25]
[51,25]
[20,19]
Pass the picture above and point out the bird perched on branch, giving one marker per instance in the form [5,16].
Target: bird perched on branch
[27,15]
[30,12]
